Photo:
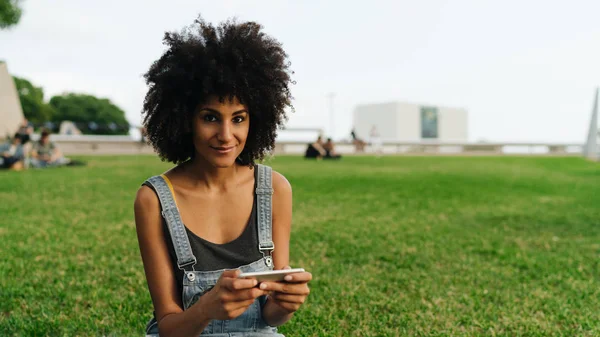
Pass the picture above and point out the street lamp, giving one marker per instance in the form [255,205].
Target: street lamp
[330,97]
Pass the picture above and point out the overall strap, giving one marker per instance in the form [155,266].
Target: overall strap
[264,193]
[163,188]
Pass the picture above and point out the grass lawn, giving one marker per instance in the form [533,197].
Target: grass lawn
[426,246]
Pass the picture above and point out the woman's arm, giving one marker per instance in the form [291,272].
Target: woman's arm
[319,148]
[281,305]
[33,153]
[172,320]
[229,298]
[56,154]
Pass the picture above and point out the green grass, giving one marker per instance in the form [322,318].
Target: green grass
[427,246]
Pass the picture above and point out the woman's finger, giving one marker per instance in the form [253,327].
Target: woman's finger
[241,283]
[299,299]
[289,306]
[241,304]
[285,287]
[298,277]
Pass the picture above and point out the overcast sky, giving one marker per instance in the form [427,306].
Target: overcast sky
[524,70]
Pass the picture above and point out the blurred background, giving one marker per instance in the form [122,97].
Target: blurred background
[452,72]
[460,203]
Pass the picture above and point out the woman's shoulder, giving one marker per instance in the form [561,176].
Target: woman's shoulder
[280,183]
[146,197]
[281,201]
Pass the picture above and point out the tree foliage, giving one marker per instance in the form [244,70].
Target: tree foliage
[10,13]
[32,101]
[92,115]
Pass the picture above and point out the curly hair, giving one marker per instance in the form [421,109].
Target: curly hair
[230,60]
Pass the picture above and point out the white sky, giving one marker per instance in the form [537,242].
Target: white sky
[524,70]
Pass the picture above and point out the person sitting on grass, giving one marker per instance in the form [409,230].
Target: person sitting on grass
[45,153]
[330,150]
[315,150]
[359,144]
[12,155]
[216,98]
[25,131]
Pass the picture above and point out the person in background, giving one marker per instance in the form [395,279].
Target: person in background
[330,150]
[315,150]
[25,131]
[359,144]
[143,136]
[45,153]
[376,141]
[12,155]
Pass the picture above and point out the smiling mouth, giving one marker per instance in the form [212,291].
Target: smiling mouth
[223,149]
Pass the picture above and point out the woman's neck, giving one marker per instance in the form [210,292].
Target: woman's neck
[212,178]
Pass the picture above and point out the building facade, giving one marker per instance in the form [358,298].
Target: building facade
[406,122]
[11,114]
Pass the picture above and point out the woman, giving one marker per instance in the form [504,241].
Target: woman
[330,150]
[216,98]
[45,153]
[316,149]
[12,154]
[376,141]
[25,131]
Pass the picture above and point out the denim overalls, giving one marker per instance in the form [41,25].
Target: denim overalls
[196,283]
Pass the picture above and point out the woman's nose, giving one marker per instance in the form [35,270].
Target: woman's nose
[225,133]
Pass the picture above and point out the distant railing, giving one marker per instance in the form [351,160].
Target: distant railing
[446,148]
[84,144]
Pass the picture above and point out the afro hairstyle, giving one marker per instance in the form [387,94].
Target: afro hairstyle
[229,60]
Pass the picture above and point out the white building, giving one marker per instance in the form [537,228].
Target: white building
[11,114]
[405,122]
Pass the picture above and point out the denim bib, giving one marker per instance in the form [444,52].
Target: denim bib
[197,283]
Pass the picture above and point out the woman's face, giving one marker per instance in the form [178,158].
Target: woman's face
[220,130]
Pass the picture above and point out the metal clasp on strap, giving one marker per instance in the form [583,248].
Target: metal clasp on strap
[268,257]
[183,265]
[267,252]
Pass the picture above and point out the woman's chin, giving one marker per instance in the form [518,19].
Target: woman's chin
[223,162]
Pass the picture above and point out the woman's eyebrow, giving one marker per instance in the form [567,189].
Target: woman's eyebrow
[239,112]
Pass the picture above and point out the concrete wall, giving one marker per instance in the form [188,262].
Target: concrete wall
[103,147]
[408,126]
[383,116]
[11,114]
[120,145]
[453,125]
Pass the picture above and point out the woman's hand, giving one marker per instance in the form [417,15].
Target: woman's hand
[231,296]
[291,293]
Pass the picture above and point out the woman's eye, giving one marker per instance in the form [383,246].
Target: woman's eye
[238,119]
[210,118]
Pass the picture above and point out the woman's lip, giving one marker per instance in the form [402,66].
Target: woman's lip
[223,149]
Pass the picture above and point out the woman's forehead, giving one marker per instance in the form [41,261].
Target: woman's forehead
[223,105]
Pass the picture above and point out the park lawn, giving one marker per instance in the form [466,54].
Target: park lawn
[418,246]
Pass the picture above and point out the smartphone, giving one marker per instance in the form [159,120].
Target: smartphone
[270,275]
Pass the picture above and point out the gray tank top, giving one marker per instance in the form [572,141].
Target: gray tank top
[198,282]
[241,251]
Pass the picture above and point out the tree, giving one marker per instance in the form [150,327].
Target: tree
[32,101]
[92,115]
[10,13]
